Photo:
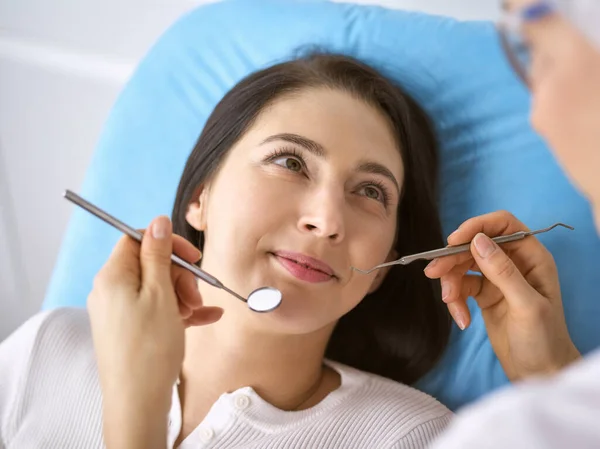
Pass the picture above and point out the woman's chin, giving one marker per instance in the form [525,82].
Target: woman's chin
[297,314]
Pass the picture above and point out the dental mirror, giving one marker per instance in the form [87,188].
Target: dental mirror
[264,299]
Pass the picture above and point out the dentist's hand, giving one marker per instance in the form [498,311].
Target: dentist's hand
[139,308]
[518,293]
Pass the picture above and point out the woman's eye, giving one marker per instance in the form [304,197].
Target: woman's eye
[373,193]
[290,163]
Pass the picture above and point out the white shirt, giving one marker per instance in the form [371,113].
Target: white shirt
[50,398]
[561,412]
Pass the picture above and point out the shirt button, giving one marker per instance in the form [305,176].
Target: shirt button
[242,402]
[206,434]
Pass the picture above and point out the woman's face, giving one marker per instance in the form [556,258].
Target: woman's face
[309,191]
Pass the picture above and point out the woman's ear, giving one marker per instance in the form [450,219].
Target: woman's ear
[196,211]
[382,272]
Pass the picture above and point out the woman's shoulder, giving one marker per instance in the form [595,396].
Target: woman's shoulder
[57,330]
[48,342]
[411,417]
[383,391]
[48,376]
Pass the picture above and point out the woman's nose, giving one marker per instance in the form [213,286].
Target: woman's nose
[324,216]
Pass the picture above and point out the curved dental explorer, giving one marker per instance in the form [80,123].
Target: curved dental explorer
[452,250]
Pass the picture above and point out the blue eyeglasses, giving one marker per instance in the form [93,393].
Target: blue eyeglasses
[516,48]
[582,14]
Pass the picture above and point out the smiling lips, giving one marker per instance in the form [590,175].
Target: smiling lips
[304,267]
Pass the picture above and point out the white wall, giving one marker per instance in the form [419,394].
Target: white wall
[62,63]
[461,9]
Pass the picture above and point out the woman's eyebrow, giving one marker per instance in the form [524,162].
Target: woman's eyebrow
[378,169]
[310,145]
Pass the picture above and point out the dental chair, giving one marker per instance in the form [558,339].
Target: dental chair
[491,158]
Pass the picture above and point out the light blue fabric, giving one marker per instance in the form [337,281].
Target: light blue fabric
[491,158]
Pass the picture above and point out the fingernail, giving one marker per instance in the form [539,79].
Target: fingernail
[459,317]
[461,321]
[161,228]
[431,264]
[446,290]
[484,245]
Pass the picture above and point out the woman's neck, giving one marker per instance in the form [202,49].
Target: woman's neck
[224,357]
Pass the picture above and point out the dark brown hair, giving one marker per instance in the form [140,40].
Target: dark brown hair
[401,330]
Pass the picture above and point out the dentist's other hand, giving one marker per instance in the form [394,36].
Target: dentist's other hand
[518,293]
